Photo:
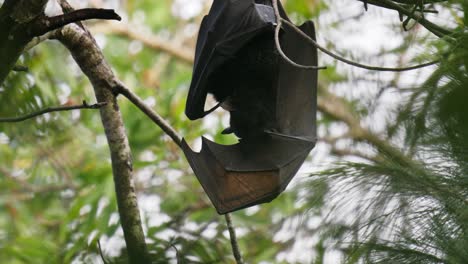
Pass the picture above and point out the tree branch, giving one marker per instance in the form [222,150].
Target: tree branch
[22,20]
[101,254]
[72,41]
[352,63]
[171,132]
[89,57]
[389,4]
[153,115]
[234,244]
[13,16]
[45,24]
[50,110]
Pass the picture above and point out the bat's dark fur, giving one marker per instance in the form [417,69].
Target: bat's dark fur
[244,85]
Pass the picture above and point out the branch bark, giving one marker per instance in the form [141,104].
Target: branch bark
[170,131]
[87,54]
[24,20]
[232,235]
[89,57]
[153,115]
[44,24]
[12,39]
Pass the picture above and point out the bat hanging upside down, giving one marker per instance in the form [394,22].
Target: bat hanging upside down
[237,62]
[244,86]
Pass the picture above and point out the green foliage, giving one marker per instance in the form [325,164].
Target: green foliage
[417,212]
[405,205]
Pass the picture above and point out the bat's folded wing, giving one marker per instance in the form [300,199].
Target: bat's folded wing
[227,28]
[255,170]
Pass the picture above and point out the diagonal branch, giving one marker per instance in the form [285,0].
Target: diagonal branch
[72,39]
[50,110]
[45,24]
[90,59]
[137,249]
[153,115]
[171,132]
[356,64]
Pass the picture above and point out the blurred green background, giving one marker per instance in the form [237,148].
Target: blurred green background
[386,183]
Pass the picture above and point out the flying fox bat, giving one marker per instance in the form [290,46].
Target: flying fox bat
[272,104]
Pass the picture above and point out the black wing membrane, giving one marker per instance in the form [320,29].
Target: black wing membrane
[229,26]
[257,169]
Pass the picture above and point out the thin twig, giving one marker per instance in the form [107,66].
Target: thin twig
[234,244]
[380,4]
[359,65]
[171,132]
[153,115]
[389,4]
[39,39]
[50,110]
[315,44]
[100,252]
[278,44]
[414,2]
[167,128]
[177,253]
